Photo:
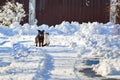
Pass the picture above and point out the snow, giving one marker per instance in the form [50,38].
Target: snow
[108,67]
[73,47]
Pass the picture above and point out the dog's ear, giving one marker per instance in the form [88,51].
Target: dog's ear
[38,30]
[43,30]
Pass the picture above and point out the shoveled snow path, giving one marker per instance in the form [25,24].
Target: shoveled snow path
[21,60]
[25,68]
[31,63]
[62,62]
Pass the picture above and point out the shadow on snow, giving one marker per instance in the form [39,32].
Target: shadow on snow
[43,70]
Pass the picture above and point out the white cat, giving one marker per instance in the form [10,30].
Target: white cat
[46,39]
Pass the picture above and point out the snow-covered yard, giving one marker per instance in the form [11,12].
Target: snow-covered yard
[73,48]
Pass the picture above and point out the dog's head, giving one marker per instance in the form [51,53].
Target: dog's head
[41,32]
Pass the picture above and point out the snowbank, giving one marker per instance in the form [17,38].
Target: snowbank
[65,28]
[108,67]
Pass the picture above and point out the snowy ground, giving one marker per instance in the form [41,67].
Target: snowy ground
[23,61]
[74,49]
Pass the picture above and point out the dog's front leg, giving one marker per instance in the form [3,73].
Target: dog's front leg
[42,43]
[36,45]
[39,44]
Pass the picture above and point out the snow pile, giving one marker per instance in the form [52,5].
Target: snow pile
[17,29]
[65,28]
[6,31]
[44,27]
[108,67]
[98,28]
[26,29]
[102,46]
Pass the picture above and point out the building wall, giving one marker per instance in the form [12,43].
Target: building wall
[53,12]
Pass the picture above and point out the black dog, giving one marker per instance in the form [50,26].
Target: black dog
[39,39]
